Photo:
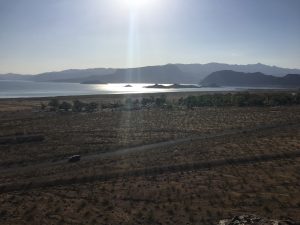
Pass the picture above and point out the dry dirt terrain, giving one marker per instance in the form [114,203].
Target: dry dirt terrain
[148,166]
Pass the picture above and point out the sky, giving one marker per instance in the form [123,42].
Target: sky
[51,35]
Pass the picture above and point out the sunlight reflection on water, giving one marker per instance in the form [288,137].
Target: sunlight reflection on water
[18,89]
[128,88]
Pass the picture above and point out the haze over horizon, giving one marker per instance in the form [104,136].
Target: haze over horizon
[41,36]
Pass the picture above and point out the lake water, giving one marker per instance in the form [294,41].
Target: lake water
[19,89]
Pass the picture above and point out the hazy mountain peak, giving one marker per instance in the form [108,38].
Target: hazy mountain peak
[257,79]
[203,70]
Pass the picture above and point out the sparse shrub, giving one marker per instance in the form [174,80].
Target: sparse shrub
[105,202]
[78,106]
[43,106]
[54,104]
[65,106]
[150,217]
[267,209]
[159,102]
[91,107]
[82,205]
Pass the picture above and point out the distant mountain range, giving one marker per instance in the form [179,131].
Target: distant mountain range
[233,78]
[150,74]
[13,76]
[170,73]
[203,70]
[68,76]
[72,76]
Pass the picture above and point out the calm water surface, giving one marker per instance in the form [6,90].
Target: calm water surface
[18,89]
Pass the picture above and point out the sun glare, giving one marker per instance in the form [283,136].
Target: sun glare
[137,3]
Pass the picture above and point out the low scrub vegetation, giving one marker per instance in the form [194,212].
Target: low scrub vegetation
[75,106]
[244,99]
[241,99]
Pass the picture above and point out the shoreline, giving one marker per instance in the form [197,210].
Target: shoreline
[138,95]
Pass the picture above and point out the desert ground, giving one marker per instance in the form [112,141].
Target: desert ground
[148,166]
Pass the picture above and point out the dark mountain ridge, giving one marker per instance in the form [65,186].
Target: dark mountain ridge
[233,78]
[203,70]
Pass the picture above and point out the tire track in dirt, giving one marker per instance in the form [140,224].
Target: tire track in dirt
[124,151]
[154,171]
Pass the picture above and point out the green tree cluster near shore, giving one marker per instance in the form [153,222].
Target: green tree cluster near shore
[241,99]
[75,106]
[150,102]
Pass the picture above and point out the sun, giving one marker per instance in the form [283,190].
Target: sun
[137,3]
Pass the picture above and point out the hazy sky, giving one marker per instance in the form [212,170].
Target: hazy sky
[46,35]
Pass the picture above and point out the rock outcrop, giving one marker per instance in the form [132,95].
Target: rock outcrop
[255,220]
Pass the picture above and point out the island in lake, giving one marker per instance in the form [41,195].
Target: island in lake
[172,86]
[128,85]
